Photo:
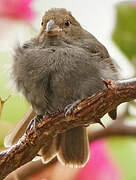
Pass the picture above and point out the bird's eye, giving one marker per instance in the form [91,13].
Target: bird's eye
[41,23]
[67,23]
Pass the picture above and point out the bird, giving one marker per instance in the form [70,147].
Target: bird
[55,70]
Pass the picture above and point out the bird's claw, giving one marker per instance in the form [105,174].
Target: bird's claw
[33,123]
[69,108]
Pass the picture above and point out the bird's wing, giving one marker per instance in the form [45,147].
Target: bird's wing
[16,133]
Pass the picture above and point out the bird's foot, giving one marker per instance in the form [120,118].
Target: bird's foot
[69,108]
[33,123]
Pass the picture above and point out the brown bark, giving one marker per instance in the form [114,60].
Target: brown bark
[88,111]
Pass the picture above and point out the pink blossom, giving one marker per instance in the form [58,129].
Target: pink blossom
[101,165]
[16,9]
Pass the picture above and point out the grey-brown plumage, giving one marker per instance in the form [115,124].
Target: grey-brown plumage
[63,64]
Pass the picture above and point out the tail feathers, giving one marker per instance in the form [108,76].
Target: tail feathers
[74,147]
[46,154]
[17,132]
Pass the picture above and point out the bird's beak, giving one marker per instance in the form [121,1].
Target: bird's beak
[52,29]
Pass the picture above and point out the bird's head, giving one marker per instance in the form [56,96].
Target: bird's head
[59,22]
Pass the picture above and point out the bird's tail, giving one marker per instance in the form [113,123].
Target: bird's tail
[47,153]
[74,147]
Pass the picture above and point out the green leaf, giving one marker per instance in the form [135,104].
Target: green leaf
[124,34]
[124,151]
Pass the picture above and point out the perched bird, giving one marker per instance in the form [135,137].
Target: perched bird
[55,70]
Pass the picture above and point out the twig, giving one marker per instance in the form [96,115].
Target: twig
[115,129]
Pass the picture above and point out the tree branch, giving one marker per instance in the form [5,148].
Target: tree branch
[118,128]
[88,111]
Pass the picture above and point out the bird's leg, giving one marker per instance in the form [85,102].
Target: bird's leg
[33,122]
[69,108]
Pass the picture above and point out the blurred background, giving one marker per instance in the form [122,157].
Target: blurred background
[113,23]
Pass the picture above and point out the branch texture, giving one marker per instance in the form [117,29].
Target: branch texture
[88,111]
